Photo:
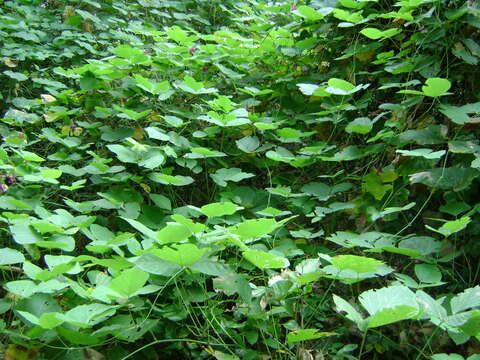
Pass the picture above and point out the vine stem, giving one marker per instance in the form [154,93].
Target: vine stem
[362,345]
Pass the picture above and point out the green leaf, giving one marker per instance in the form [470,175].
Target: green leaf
[89,82]
[50,320]
[389,304]
[220,209]
[446,178]
[154,265]
[468,299]
[375,34]
[359,264]
[308,13]
[255,228]
[165,179]
[351,313]
[435,87]
[173,233]
[15,75]
[452,226]
[202,152]
[29,156]
[131,114]
[129,282]
[151,86]
[190,85]
[45,227]
[222,176]
[51,173]
[182,255]
[265,260]
[361,125]
[10,256]
[447,357]
[308,89]
[426,153]
[427,273]
[142,228]
[455,113]
[248,144]
[307,334]
[472,326]
[318,189]
[372,184]
[78,337]
[341,87]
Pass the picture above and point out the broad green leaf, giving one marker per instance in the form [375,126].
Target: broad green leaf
[248,144]
[45,227]
[307,334]
[51,173]
[151,86]
[24,234]
[154,265]
[29,156]
[50,320]
[452,226]
[318,189]
[265,260]
[15,75]
[220,209]
[307,89]
[131,114]
[22,288]
[165,179]
[391,315]
[255,228]
[142,228]
[428,273]
[351,313]
[202,152]
[455,114]
[89,314]
[447,357]
[372,184]
[89,82]
[468,299]
[420,245]
[124,153]
[195,227]
[129,281]
[435,87]
[173,233]
[472,326]
[224,175]
[341,84]
[342,87]
[180,36]
[78,337]
[190,85]
[446,178]
[182,255]
[308,13]
[359,264]
[389,304]
[426,153]
[375,34]
[361,125]
[10,256]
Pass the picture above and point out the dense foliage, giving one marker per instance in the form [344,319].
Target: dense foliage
[240,180]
